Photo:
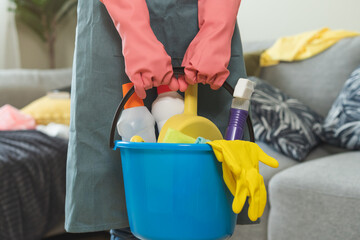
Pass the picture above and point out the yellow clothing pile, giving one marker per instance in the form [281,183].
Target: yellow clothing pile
[303,46]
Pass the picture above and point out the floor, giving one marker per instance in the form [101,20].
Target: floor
[106,235]
[81,236]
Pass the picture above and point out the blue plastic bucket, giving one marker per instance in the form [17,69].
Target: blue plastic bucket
[175,192]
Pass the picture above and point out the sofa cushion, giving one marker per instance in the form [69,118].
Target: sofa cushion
[317,81]
[317,200]
[342,124]
[49,109]
[285,162]
[284,122]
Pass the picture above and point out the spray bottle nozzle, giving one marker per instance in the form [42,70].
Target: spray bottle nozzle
[244,88]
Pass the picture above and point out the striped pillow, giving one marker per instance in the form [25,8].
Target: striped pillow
[342,124]
[283,122]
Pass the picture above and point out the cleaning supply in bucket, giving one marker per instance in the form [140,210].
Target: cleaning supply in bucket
[163,181]
[240,164]
[239,109]
[136,119]
[175,136]
[137,138]
[189,122]
[167,104]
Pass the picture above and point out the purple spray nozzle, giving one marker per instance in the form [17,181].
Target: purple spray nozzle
[239,109]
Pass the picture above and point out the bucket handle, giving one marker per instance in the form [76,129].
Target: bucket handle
[177,71]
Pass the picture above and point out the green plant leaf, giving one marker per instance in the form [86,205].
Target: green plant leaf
[40,2]
[42,17]
[44,13]
[32,20]
[67,7]
[52,7]
[29,4]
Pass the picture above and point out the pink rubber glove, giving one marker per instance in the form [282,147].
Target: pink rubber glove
[146,62]
[208,55]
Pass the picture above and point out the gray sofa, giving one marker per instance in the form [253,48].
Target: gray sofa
[317,198]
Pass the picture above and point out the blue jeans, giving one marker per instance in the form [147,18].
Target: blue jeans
[122,234]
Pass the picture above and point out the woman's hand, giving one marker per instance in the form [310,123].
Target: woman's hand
[208,55]
[146,62]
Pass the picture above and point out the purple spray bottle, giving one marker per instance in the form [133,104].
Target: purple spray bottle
[235,130]
[239,109]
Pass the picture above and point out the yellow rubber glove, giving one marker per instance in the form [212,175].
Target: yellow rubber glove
[240,163]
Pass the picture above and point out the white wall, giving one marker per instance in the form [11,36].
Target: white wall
[270,19]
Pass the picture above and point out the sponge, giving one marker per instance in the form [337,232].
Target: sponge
[174,136]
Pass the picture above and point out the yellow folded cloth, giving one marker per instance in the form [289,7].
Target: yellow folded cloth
[240,164]
[303,46]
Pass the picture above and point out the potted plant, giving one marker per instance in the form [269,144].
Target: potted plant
[43,17]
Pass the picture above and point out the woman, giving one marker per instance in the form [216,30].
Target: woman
[149,38]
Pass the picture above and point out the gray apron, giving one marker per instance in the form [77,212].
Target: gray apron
[95,198]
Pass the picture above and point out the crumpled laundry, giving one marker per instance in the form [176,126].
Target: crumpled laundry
[240,163]
[12,119]
[55,130]
[303,46]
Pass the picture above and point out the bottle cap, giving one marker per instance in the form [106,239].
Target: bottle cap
[134,100]
[163,89]
[244,88]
